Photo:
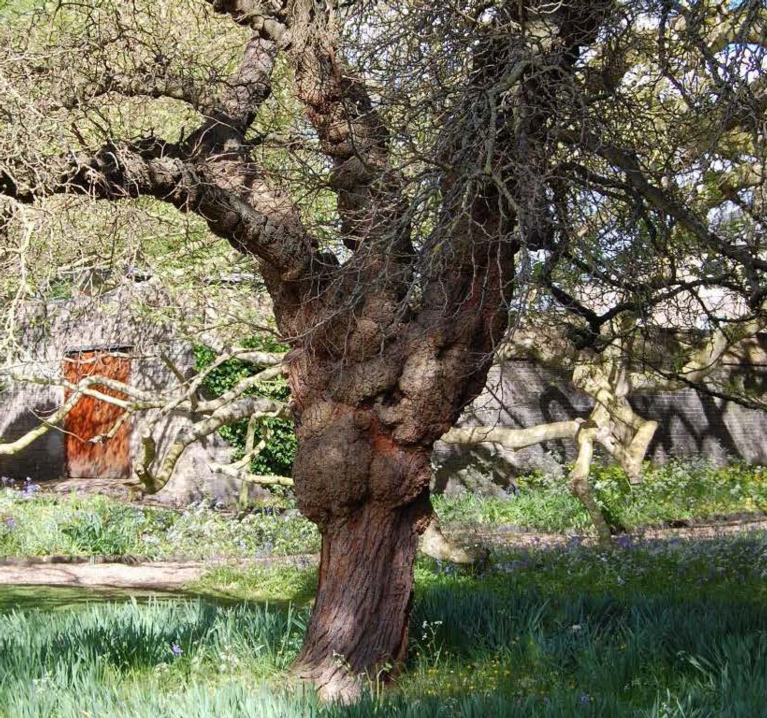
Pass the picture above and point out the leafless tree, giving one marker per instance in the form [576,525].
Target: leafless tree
[434,157]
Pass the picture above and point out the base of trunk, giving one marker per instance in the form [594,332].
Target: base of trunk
[436,545]
[357,634]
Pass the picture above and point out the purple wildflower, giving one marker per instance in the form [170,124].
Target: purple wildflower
[176,650]
[30,489]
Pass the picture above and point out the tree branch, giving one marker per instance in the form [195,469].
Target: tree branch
[513,438]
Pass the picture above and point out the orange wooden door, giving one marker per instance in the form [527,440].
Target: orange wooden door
[91,417]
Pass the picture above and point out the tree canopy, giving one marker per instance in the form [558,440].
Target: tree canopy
[412,182]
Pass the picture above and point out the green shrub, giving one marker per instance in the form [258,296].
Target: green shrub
[92,526]
[91,533]
[277,456]
[679,489]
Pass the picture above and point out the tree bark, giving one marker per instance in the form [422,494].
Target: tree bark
[359,625]
[579,484]
[369,495]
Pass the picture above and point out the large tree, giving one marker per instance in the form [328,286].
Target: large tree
[424,155]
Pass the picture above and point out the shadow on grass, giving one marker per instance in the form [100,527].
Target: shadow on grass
[572,631]
[54,598]
[279,588]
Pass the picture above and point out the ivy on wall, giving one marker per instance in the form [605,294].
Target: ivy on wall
[277,457]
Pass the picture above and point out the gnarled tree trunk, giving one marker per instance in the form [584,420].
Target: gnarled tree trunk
[359,626]
[366,485]
[394,335]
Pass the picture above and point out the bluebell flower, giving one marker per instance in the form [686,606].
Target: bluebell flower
[176,650]
[30,489]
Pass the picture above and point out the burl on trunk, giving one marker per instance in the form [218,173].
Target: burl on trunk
[365,429]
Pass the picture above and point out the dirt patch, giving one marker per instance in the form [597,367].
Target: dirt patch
[515,537]
[707,530]
[89,487]
[150,576]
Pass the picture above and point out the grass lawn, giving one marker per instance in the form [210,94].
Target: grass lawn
[661,629]
[664,628]
[35,523]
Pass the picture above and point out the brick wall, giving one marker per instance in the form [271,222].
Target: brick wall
[521,394]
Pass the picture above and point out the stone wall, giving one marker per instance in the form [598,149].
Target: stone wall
[522,394]
[50,331]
